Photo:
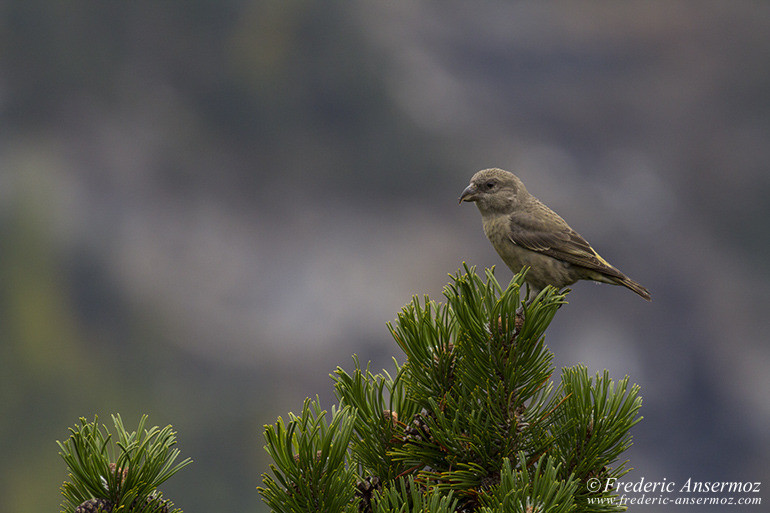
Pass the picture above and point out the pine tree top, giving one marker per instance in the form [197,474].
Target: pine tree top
[471,421]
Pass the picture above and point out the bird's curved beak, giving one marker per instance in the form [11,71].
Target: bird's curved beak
[469,194]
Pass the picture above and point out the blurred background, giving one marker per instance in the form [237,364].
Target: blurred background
[205,207]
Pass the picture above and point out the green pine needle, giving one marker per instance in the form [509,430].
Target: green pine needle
[123,467]
[471,420]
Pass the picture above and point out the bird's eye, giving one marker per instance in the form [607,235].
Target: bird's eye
[490,184]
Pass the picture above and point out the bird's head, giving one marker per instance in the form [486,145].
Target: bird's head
[495,190]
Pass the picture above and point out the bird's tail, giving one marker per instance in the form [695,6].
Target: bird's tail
[631,284]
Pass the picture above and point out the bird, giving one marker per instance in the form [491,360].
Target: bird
[526,233]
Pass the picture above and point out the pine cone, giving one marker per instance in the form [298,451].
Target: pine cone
[162,503]
[417,430]
[469,506]
[95,506]
[390,417]
[490,480]
[519,322]
[518,415]
[317,456]
[365,490]
[114,470]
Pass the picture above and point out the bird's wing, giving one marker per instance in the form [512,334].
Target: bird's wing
[559,241]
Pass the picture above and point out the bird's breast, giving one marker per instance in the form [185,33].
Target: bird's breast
[544,269]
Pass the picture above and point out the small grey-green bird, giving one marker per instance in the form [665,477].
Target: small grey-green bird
[525,232]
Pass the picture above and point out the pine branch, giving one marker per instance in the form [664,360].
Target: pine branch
[529,490]
[121,474]
[378,401]
[593,427]
[310,472]
[405,495]
[472,421]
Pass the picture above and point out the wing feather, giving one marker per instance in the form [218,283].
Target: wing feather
[557,240]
